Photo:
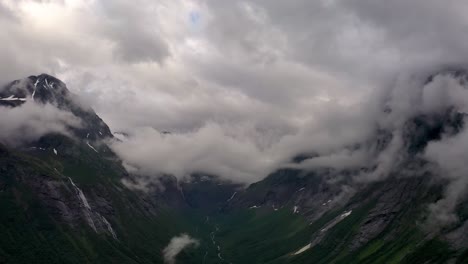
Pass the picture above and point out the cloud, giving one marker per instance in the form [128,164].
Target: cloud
[209,150]
[30,121]
[344,159]
[244,86]
[176,245]
[439,106]
[128,25]
[243,153]
[449,155]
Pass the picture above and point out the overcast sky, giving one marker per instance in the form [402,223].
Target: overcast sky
[242,85]
[174,64]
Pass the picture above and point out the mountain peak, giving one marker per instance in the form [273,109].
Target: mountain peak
[47,89]
[43,88]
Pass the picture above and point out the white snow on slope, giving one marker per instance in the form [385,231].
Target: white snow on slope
[336,220]
[55,151]
[346,214]
[91,147]
[296,209]
[35,87]
[302,250]
[13,98]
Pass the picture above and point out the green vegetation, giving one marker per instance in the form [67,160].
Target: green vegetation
[30,234]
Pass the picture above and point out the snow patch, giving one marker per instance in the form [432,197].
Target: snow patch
[336,220]
[13,98]
[302,250]
[296,209]
[35,87]
[346,214]
[92,147]
[55,151]
[254,207]
[47,83]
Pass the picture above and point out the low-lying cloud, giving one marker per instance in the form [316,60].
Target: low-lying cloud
[241,153]
[450,155]
[30,121]
[211,150]
[177,245]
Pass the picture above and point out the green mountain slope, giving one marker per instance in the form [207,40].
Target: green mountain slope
[62,200]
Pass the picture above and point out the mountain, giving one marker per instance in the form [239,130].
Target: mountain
[65,198]
[62,199]
[382,221]
[45,89]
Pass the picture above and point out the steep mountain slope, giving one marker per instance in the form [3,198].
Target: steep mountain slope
[64,198]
